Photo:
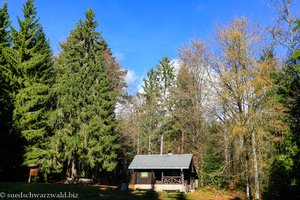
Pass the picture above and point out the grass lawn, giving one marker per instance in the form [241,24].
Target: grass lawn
[62,191]
[209,193]
[206,193]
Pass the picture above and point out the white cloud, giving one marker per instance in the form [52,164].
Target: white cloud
[134,82]
[140,86]
[130,77]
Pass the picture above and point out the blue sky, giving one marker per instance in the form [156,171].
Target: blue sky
[141,32]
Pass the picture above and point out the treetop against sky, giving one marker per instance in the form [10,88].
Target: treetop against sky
[140,33]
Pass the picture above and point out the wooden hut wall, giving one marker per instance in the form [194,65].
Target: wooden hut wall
[143,177]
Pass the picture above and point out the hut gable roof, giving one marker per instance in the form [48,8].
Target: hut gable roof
[173,161]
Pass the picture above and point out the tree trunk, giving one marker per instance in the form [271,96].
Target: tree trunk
[226,153]
[73,171]
[247,189]
[247,178]
[138,144]
[255,165]
[149,145]
[182,141]
[161,144]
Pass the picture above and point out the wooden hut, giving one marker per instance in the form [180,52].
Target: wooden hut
[170,172]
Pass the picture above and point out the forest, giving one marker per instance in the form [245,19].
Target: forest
[232,102]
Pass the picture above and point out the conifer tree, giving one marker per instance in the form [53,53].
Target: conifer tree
[5,101]
[295,107]
[85,140]
[4,43]
[30,72]
[157,120]
[284,176]
[4,32]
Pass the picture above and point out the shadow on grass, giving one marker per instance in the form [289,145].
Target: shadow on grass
[61,191]
[150,194]
[172,196]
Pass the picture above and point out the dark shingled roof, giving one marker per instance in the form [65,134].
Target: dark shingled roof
[172,161]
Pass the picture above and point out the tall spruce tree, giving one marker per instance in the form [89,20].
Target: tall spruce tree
[4,32]
[4,43]
[157,119]
[6,139]
[85,140]
[31,76]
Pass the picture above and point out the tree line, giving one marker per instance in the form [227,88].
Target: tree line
[233,103]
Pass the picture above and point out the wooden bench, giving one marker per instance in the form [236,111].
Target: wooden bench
[85,180]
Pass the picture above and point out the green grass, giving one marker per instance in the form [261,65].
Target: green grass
[172,195]
[83,191]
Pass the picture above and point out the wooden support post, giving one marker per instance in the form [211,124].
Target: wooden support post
[182,178]
[152,180]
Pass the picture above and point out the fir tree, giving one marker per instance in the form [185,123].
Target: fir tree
[157,105]
[4,32]
[85,137]
[30,72]
[4,43]
[6,139]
